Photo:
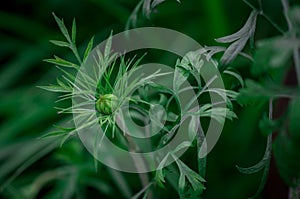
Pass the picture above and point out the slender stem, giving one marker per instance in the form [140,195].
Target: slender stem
[143,176]
[250,5]
[294,192]
[285,5]
[271,109]
[252,44]
[75,51]
[265,16]
[199,93]
[275,25]
[202,162]
[297,62]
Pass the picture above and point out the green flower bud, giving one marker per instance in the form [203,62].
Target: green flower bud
[107,104]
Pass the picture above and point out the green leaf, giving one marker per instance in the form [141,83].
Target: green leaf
[132,20]
[147,8]
[66,137]
[243,32]
[53,134]
[150,5]
[61,87]
[263,164]
[233,50]
[263,91]
[272,54]
[253,169]
[181,185]
[190,183]
[217,113]
[107,50]
[65,129]
[200,138]
[268,126]
[183,145]
[74,32]
[55,88]
[62,131]
[159,175]
[236,75]
[62,28]
[157,116]
[172,117]
[192,63]
[239,39]
[65,32]
[193,127]
[180,76]
[88,49]
[60,43]
[61,62]
[144,190]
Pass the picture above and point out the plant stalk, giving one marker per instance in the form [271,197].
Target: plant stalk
[143,176]
[294,192]
[285,5]
[261,12]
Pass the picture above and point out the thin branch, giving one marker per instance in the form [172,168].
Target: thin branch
[144,178]
[261,12]
[250,5]
[293,191]
[285,5]
[273,23]
[297,62]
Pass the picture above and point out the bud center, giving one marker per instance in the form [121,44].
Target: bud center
[107,104]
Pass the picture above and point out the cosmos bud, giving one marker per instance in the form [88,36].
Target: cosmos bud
[107,104]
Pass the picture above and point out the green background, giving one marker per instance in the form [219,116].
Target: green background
[35,168]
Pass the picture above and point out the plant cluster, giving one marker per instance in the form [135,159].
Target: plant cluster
[115,91]
[268,57]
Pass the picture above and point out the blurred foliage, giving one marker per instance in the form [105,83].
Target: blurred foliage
[38,168]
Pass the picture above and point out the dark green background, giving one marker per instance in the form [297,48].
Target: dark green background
[27,112]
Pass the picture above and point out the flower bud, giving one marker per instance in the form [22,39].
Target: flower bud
[107,104]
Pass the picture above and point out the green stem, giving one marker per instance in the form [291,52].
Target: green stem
[273,23]
[294,192]
[285,5]
[265,16]
[75,51]
[143,176]
[297,62]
